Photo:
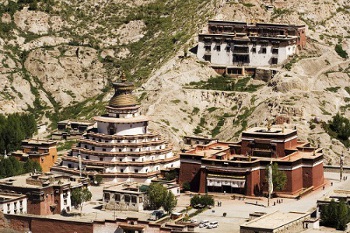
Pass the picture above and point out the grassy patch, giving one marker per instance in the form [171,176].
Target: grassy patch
[216,130]
[289,65]
[67,145]
[165,121]
[195,111]
[333,89]
[176,101]
[224,83]
[277,12]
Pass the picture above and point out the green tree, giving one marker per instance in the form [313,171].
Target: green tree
[335,215]
[339,127]
[79,196]
[13,129]
[279,178]
[170,175]
[195,200]
[31,166]
[156,195]
[204,200]
[97,179]
[343,215]
[170,202]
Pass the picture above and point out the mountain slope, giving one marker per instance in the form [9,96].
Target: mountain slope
[59,57]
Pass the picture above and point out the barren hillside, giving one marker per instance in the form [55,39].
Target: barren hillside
[59,57]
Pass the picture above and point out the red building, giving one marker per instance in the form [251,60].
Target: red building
[46,194]
[241,167]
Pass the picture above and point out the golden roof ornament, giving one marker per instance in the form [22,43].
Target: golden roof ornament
[268,125]
[123,96]
[123,78]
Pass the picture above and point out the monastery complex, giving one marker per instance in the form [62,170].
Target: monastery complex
[241,167]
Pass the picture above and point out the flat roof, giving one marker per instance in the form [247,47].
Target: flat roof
[214,148]
[21,180]
[265,131]
[6,197]
[131,188]
[34,141]
[274,220]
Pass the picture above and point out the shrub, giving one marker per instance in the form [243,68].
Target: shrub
[204,200]
[339,49]
[186,186]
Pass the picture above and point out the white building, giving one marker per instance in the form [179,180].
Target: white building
[13,203]
[121,148]
[236,44]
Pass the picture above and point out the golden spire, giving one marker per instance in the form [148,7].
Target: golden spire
[123,78]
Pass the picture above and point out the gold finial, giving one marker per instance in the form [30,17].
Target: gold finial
[268,125]
[123,78]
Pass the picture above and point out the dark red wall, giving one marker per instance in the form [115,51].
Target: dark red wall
[190,172]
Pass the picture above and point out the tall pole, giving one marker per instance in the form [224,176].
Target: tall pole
[79,157]
[270,183]
[341,166]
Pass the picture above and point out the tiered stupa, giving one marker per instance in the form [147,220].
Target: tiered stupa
[121,148]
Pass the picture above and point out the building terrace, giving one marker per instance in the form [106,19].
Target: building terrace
[248,159]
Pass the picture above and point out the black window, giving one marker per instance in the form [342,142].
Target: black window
[263,50]
[218,47]
[101,158]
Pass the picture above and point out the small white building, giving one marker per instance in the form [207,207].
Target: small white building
[13,203]
[124,196]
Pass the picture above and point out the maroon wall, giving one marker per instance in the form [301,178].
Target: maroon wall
[190,172]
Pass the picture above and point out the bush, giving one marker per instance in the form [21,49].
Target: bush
[339,49]
[186,186]
[339,127]
[204,200]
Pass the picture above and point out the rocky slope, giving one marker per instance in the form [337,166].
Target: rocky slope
[58,58]
[312,91]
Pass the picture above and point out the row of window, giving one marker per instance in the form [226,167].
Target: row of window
[125,198]
[242,50]
[123,141]
[122,170]
[124,149]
